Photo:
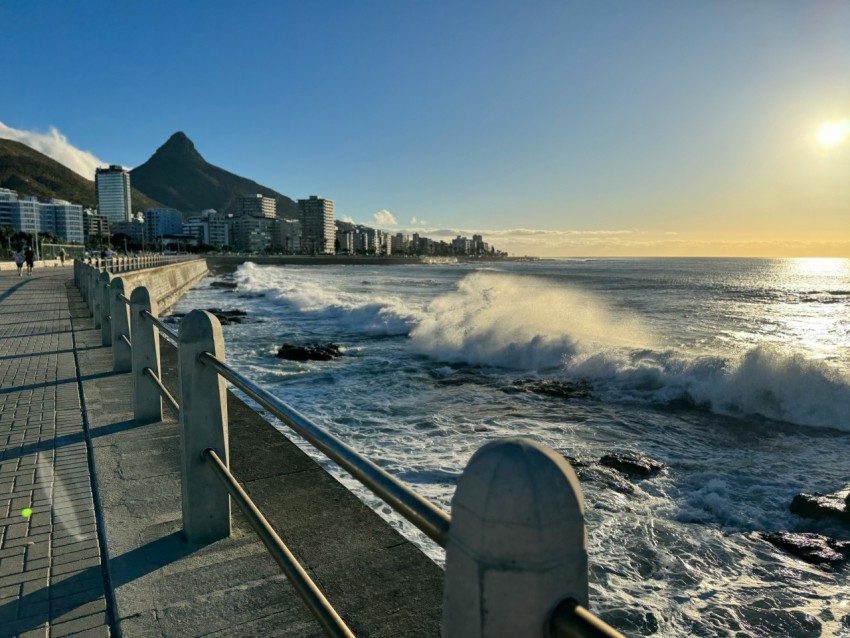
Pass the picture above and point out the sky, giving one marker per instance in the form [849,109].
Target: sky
[555,128]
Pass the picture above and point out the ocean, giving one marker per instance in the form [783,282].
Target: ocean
[734,373]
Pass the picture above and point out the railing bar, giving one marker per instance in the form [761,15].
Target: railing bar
[172,336]
[166,395]
[429,518]
[312,596]
[121,297]
[571,620]
[127,341]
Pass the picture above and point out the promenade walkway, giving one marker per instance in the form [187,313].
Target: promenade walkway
[69,447]
[52,581]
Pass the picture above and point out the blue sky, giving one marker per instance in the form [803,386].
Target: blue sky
[556,128]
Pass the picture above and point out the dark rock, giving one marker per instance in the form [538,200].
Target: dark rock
[313,352]
[811,548]
[820,506]
[559,389]
[605,476]
[224,284]
[227,317]
[633,465]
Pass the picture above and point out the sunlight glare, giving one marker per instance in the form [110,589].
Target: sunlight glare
[833,133]
[823,266]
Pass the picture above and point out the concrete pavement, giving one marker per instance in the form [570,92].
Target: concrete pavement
[52,580]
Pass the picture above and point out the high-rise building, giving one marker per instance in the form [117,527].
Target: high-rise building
[210,228]
[256,206]
[66,219]
[113,193]
[289,235]
[95,228]
[255,223]
[28,215]
[318,232]
[160,222]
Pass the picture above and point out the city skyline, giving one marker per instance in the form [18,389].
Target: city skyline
[554,129]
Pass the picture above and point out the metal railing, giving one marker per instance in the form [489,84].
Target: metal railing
[429,518]
[518,538]
[312,596]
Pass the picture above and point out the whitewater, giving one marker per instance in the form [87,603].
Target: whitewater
[734,373]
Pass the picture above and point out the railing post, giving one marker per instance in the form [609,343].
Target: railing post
[147,403]
[105,321]
[203,424]
[94,280]
[121,355]
[517,545]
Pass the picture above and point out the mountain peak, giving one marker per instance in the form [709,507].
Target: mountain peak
[180,178]
[178,145]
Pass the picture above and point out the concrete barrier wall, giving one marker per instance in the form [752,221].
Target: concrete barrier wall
[166,283]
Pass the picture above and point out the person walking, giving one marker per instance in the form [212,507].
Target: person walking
[19,261]
[29,257]
[61,256]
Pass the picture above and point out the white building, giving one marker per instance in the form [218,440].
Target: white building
[290,235]
[210,228]
[28,215]
[113,193]
[318,232]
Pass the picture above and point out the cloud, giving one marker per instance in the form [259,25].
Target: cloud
[348,219]
[384,218]
[56,146]
[418,222]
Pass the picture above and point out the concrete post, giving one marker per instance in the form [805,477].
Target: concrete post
[121,356]
[94,279]
[147,403]
[105,322]
[203,424]
[517,544]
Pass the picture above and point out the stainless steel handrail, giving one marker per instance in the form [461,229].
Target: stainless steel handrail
[127,341]
[315,600]
[166,395]
[571,620]
[123,298]
[429,518]
[169,333]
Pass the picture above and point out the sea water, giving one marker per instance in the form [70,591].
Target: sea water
[734,373]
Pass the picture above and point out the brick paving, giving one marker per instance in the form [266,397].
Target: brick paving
[51,573]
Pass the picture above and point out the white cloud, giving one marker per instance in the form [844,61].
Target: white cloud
[384,218]
[56,146]
[348,219]
[418,222]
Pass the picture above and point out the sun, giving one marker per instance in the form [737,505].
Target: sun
[833,133]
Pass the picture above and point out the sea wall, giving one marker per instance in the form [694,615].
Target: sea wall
[166,283]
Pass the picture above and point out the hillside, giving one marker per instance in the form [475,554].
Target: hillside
[181,178]
[29,172]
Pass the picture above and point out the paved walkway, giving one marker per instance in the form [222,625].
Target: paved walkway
[51,575]
[54,543]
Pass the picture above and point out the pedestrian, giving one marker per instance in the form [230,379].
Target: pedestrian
[19,261]
[29,257]
[62,256]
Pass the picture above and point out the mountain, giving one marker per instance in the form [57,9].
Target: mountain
[29,172]
[179,177]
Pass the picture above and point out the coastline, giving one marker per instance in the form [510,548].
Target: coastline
[220,264]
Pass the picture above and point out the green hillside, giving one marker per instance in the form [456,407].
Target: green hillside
[29,172]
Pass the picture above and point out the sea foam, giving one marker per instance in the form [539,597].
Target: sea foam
[528,324]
